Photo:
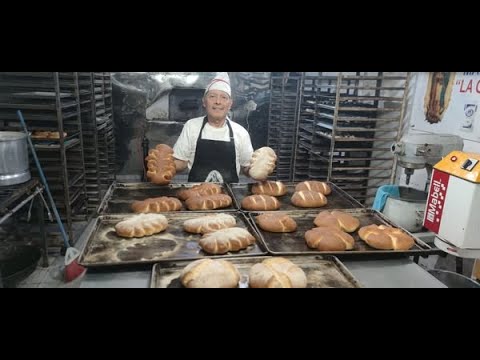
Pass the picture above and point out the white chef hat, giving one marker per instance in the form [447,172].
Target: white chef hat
[220,82]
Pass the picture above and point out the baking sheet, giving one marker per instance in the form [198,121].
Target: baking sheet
[321,271]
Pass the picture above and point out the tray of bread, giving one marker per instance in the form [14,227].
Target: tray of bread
[255,272]
[343,232]
[124,198]
[278,195]
[136,239]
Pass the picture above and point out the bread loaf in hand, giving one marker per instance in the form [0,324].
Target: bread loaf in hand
[309,199]
[142,225]
[212,202]
[208,273]
[329,239]
[161,165]
[271,188]
[317,186]
[277,273]
[209,223]
[260,203]
[225,240]
[338,220]
[276,223]
[386,238]
[262,164]
[200,190]
[157,205]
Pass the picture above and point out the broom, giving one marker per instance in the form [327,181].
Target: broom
[72,268]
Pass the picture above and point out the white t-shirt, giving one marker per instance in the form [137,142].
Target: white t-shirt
[186,144]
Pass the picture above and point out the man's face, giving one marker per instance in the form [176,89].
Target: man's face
[217,103]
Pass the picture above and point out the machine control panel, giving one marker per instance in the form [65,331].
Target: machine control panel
[469,164]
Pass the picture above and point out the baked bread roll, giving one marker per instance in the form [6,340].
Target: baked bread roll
[212,202]
[317,186]
[386,238]
[277,273]
[329,239]
[142,225]
[200,190]
[156,205]
[309,199]
[161,165]
[208,273]
[271,188]
[260,203]
[47,135]
[223,241]
[338,220]
[262,163]
[209,223]
[276,223]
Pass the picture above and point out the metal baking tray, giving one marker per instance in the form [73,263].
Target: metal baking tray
[104,248]
[120,196]
[295,244]
[338,199]
[321,271]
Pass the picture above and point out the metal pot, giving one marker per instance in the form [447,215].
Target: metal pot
[408,209]
[14,165]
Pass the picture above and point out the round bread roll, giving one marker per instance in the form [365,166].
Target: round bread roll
[200,190]
[211,202]
[317,186]
[157,205]
[260,203]
[329,239]
[208,273]
[209,223]
[262,164]
[276,223]
[225,240]
[277,273]
[309,199]
[271,188]
[142,225]
[338,220]
[386,238]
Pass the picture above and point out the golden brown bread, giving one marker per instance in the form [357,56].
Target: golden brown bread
[156,205]
[309,199]
[272,188]
[200,190]
[209,223]
[142,225]
[161,165]
[212,202]
[208,273]
[386,238]
[260,203]
[276,223]
[277,273]
[338,220]
[225,240]
[262,164]
[329,239]
[47,135]
[317,186]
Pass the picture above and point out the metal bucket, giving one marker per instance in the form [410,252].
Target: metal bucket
[14,165]
[454,280]
[408,209]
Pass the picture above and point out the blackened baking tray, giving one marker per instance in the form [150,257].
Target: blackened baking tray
[321,271]
[338,199]
[104,248]
[120,196]
[295,244]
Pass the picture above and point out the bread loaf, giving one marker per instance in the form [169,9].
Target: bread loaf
[156,205]
[277,273]
[209,223]
[200,190]
[309,199]
[386,238]
[208,273]
[276,223]
[47,135]
[317,186]
[142,225]
[260,203]
[223,241]
[271,188]
[161,165]
[212,202]
[338,220]
[329,239]
[262,163]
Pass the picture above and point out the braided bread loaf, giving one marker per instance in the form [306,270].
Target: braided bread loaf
[317,186]
[277,273]
[262,164]
[156,205]
[142,225]
[208,273]
[225,240]
[161,165]
[276,223]
[212,202]
[338,220]
[329,239]
[386,238]
[200,190]
[209,223]
[272,188]
[309,199]
[260,203]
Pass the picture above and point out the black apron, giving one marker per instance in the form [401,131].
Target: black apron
[214,155]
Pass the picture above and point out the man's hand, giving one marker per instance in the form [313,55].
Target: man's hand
[180,165]
[246,170]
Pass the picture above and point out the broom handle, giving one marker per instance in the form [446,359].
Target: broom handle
[44,181]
